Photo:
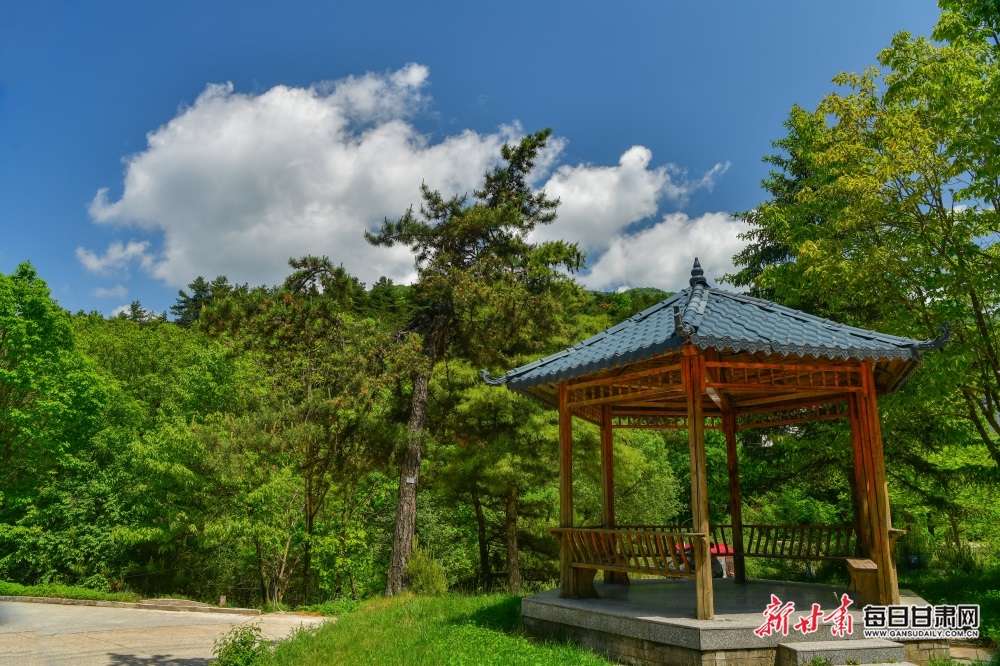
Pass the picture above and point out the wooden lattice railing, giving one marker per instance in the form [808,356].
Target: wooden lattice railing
[807,542]
[649,551]
[668,550]
[800,542]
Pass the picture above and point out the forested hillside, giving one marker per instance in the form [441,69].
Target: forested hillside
[251,449]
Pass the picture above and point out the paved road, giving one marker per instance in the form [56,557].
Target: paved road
[45,634]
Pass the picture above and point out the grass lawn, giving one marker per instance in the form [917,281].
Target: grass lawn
[453,629]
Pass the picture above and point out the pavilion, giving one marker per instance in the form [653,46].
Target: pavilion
[706,359]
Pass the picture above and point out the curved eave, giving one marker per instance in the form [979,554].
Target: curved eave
[526,381]
[523,382]
[710,318]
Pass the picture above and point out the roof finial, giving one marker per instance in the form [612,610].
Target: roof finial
[697,274]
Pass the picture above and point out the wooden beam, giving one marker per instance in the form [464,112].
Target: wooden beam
[712,374]
[731,375]
[767,388]
[589,414]
[608,487]
[800,398]
[693,374]
[652,406]
[750,425]
[632,395]
[566,575]
[647,411]
[735,502]
[784,367]
[625,377]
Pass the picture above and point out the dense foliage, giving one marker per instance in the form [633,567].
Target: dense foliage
[249,449]
[883,213]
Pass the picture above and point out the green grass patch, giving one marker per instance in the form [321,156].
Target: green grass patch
[63,592]
[981,587]
[453,630]
[334,608]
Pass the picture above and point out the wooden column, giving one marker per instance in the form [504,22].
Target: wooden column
[879,502]
[693,373]
[573,583]
[873,490]
[608,486]
[565,489]
[735,503]
[860,475]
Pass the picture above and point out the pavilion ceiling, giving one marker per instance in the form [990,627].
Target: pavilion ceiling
[761,389]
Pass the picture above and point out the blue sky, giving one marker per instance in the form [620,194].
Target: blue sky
[143,144]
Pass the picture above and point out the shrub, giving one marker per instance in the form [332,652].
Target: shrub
[424,573]
[243,645]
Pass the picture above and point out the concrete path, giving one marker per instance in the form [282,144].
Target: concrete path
[45,634]
[968,652]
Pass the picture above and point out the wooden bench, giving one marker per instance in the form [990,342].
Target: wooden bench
[658,552]
[666,550]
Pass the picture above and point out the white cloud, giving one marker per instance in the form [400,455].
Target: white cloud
[116,258]
[117,291]
[662,255]
[121,309]
[238,183]
[599,202]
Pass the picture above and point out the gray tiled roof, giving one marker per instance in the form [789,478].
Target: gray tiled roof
[711,318]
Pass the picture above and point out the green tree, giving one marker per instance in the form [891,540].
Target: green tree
[492,450]
[331,387]
[137,499]
[188,308]
[883,213]
[50,396]
[52,404]
[483,293]
[887,202]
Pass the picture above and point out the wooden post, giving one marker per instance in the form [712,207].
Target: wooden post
[693,374]
[566,578]
[878,502]
[860,475]
[735,504]
[573,583]
[608,486]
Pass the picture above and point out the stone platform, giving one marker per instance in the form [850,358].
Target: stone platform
[653,622]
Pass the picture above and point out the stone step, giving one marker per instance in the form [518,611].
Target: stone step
[837,653]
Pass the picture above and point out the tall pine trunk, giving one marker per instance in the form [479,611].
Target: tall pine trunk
[513,570]
[484,549]
[260,571]
[406,505]
[307,550]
